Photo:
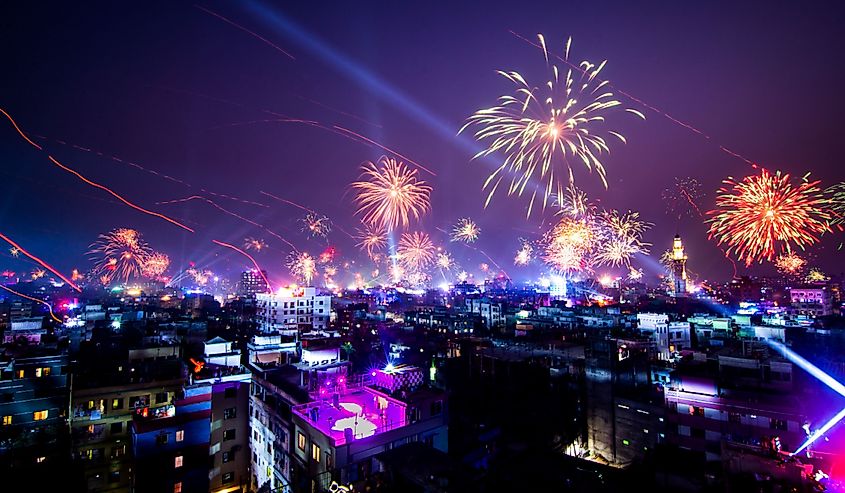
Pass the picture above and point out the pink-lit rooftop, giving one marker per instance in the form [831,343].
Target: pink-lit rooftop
[363,411]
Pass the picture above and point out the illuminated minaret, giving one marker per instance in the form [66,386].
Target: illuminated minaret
[679,268]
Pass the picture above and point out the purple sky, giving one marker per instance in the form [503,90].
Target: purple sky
[170,86]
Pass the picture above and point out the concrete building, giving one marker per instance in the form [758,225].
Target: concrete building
[33,413]
[289,311]
[219,351]
[104,399]
[813,301]
[491,312]
[252,282]
[337,435]
[669,337]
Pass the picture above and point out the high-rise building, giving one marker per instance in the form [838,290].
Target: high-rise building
[252,282]
[679,268]
[288,310]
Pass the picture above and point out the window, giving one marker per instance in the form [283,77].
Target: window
[777,424]
[328,461]
[116,428]
[40,415]
[21,373]
[228,477]
[161,439]
[229,435]
[118,451]
[177,487]
[177,462]
[230,392]
[114,476]
[697,432]
[7,420]
[139,401]
[229,413]
[227,456]
[315,452]
[734,417]
[117,403]
[180,435]
[161,397]
[42,372]
[696,411]
[436,408]
[300,441]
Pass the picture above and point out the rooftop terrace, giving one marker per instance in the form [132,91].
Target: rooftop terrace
[353,413]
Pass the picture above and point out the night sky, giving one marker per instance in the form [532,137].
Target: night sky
[179,91]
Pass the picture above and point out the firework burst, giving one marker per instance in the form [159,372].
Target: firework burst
[621,239]
[445,262]
[465,230]
[155,265]
[540,129]
[763,215]
[316,225]
[256,244]
[390,195]
[575,203]
[790,264]
[816,275]
[302,266]
[567,247]
[14,252]
[120,254]
[416,252]
[200,276]
[634,274]
[371,239]
[525,254]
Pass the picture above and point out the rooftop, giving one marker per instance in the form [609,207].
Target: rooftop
[353,413]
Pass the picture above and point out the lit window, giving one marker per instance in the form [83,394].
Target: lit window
[20,373]
[180,435]
[7,420]
[41,459]
[40,415]
[177,488]
[315,452]
[300,441]
[178,461]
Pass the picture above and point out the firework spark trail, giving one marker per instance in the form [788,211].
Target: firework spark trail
[49,307]
[242,28]
[14,124]
[257,267]
[133,164]
[40,262]
[643,103]
[94,184]
[120,197]
[304,208]
[233,214]
[350,115]
[385,148]
[337,129]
